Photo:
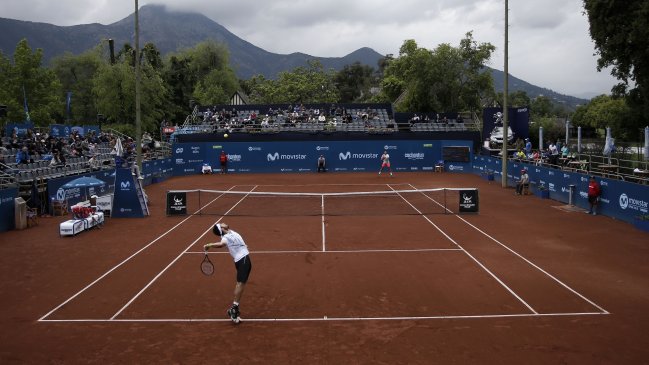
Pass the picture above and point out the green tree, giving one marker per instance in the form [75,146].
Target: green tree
[76,74]
[620,29]
[445,79]
[354,82]
[114,88]
[26,78]
[606,111]
[201,73]
[310,84]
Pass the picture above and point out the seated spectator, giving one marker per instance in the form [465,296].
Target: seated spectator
[22,157]
[523,182]
[565,151]
[520,155]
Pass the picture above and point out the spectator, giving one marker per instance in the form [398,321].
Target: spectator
[594,192]
[223,159]
[554,153]
[22,157]
[523,182]
[528,146]
[565,151]
[321,164]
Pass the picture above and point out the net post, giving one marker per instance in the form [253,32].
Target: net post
[445,204]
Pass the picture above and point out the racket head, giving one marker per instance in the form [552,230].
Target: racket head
[207,268]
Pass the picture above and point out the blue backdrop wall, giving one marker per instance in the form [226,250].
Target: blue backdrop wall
[620,199]
[293,156]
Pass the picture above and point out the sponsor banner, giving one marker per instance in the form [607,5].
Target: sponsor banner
[620,199]
[416,155]
[20,128]
[7,209]
[469,201]
[126,203]
[176,203]
[74,195]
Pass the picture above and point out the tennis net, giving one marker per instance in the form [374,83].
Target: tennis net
[367,203]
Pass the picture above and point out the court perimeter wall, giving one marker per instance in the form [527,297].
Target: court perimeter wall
[620,199]
[302,156]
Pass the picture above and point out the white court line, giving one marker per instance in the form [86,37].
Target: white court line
[414,250]
[524,259]
[122,263]
[328,319]
[471,256]
[322,216]
[174,260]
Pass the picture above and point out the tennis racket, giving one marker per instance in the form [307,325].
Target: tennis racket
[207,267]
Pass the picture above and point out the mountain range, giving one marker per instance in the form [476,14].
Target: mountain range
[174,31]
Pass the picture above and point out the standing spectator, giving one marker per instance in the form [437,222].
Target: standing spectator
[528,147]
[224,162]
[523,182]
[321,164]
[594,191]
[554,153]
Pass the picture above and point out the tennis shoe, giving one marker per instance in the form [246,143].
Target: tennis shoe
[233,313]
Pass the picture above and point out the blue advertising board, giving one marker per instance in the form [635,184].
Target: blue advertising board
[518,121]
[60,130]
[75,195]
[7,209]
[411,155]
[125,202]
[620,199]
[19,128]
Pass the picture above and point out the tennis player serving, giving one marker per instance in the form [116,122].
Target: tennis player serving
[385,162]
[239,252]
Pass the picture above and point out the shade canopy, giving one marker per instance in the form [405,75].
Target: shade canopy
[83,182]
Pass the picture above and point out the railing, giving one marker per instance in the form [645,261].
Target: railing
[600,165]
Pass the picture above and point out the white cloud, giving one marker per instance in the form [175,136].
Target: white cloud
[549,41]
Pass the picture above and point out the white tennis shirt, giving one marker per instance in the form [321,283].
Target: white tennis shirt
[236,245]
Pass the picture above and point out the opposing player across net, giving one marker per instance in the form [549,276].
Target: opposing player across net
[273,204]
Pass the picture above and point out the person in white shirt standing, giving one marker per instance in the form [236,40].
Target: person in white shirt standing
[385,162]
[239,252]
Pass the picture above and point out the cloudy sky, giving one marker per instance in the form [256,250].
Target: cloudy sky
[549,43]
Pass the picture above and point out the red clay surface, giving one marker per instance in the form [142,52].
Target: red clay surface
[522,282]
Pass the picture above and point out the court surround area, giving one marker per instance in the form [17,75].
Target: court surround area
[517,282]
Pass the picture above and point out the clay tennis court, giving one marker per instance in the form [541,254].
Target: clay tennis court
[522,281]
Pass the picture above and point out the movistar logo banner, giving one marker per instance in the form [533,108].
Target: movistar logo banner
[276,156]
[342,156]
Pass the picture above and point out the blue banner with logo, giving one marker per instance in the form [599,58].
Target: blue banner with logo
[518,121]
[126,203]
[7,209]
[20,128]
[417,155]
[60,130]
[72,196]
[620,199]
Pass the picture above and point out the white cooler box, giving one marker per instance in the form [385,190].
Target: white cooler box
[74,226]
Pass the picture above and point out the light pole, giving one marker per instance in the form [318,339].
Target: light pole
[505,92]
[138,121]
